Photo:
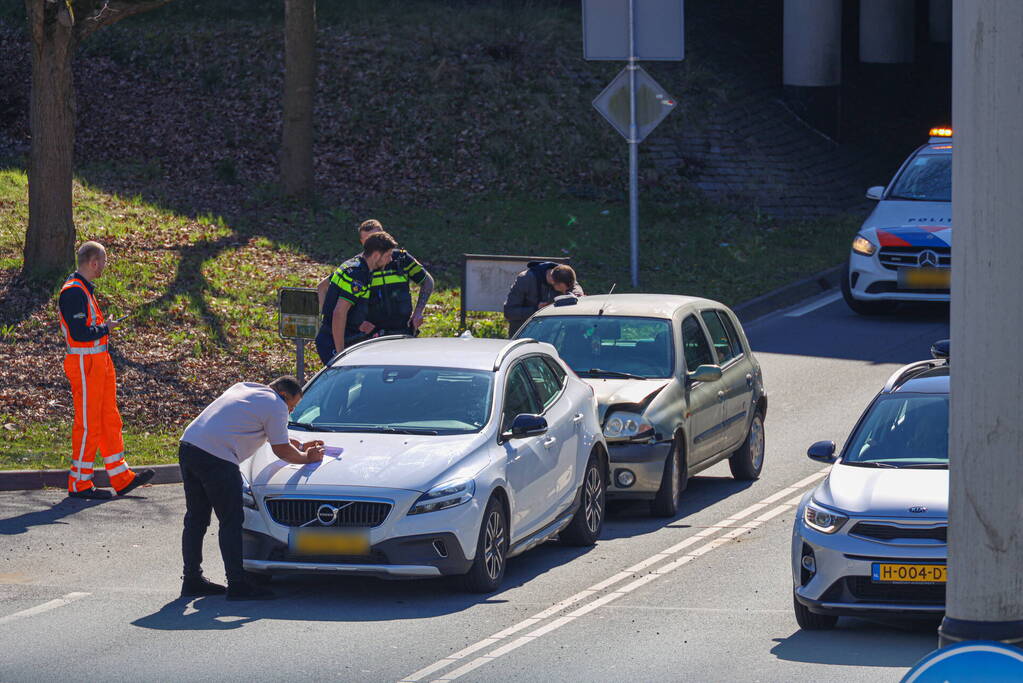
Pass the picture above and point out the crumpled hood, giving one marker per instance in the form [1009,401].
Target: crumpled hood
[611,392]
[865,491]
[383,460]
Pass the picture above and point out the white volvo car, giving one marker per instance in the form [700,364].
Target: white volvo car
[444,457]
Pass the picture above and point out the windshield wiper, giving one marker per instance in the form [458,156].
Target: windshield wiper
[306,425]
[611,373]
[387,429]
[926,466]
[872,463]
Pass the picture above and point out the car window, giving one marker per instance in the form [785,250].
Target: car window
[368,398]
[556,368]
[694,344]
[928,177]
[607,345]
[518,397]
[902,429]
[733,334]
[718,336]
[544,380]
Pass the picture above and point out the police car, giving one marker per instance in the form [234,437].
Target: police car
[903,252]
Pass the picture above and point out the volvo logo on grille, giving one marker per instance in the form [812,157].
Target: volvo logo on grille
[918,509]
[927,259]
[326,514]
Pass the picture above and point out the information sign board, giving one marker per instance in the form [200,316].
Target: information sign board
[486,279]
[659,30]
[298,313]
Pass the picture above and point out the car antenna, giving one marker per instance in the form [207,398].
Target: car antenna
[601,311]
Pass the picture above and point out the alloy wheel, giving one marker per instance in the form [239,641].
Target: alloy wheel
[493,544]
[593,500]
[756,443]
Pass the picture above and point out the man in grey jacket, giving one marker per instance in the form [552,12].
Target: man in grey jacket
[536,287]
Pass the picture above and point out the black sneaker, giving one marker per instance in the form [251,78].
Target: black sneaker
[246,591]
[195,587]
[140,479]
[91,494]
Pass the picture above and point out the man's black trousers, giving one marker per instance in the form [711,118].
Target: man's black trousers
[211,485]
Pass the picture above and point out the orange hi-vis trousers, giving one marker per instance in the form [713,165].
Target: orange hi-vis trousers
[97,425]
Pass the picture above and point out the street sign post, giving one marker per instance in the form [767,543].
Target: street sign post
[298,318]
[633,30]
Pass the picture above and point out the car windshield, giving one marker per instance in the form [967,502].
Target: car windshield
[608,346]
[928,178]
[902,430]
[400,399]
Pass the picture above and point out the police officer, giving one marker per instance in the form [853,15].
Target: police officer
[345,303]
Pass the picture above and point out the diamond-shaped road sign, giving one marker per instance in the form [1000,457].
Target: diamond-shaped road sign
[652,103]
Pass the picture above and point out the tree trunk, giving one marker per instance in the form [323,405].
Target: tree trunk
[299,88]
[50,238]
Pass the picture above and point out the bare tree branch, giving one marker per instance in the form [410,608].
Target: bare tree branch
[107,12]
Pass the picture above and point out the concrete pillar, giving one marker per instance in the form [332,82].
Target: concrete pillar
[939,21]
[985,590]
[887,33]
[812,60]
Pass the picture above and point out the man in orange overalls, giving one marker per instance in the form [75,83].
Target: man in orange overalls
[97,425]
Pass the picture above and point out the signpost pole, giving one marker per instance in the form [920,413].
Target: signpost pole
[633,153]
[300,360]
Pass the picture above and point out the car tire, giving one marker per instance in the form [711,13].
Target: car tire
[588,520]
[811,621]
[673,481]
[864,307]
[487,569]
[748,461]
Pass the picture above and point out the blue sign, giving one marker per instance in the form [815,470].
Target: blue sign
[980,661]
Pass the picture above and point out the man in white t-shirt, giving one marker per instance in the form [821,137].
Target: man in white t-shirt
[229,431]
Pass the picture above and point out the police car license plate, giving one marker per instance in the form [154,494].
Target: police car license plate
[328,542]
[908,573]
[925,278]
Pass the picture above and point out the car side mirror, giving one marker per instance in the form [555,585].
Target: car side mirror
[875,192]
[822,451]
[526,425]
[705,373]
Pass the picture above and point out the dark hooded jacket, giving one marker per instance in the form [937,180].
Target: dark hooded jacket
[529,291]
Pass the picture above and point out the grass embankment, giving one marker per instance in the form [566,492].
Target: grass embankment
[476,140]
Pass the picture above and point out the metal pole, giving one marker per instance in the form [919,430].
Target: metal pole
[633,153]
[300,360]
[985,516]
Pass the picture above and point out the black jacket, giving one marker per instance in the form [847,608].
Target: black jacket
[528,292]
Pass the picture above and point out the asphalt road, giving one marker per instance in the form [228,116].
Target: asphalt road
[90,590]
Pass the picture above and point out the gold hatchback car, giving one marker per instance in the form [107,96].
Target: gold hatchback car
[677,385]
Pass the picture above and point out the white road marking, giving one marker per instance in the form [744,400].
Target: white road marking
[820,302]
[733,531]
[45,607]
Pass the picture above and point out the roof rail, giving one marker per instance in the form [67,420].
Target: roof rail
[348,349]
[507,349]
[908,372]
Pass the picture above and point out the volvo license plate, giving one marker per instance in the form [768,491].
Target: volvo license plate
[328,542]
[883,572]
[925,278]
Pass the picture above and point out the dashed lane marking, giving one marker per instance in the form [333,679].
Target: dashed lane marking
[45,607]
[730,526]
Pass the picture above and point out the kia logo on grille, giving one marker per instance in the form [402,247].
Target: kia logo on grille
[927,259]
[918,509]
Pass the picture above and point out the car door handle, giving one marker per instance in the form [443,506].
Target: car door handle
[578,418]
[550,441]
[749,379]
[721,395]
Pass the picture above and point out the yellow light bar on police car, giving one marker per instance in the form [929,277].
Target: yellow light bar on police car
[941,132]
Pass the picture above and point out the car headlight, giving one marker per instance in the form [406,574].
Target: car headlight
[861,245]
[624,425]
[444,496]
[248,498]
[823,520]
